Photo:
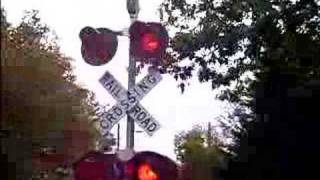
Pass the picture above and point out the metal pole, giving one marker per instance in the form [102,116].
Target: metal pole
[118,137]
[130,121]
[133,10]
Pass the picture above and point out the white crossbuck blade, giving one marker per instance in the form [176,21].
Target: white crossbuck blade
[128,101]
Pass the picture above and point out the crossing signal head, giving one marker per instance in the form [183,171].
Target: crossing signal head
[148,41]
[149,165]
[94,166]
[146,172]
[98,45]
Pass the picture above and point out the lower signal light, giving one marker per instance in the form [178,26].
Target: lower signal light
[148,165]
[145,172]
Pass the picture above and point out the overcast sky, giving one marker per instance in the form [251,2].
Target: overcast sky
[174,111]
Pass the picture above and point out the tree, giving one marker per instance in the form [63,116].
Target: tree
[38,95]
[200,152]
[284,133]
[242,36]
[277,41]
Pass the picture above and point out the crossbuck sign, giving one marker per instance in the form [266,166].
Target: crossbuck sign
[128,101]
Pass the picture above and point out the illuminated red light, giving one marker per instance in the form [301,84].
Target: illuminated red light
[150,42]
[145,172]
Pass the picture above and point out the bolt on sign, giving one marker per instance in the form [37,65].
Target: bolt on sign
[128,101]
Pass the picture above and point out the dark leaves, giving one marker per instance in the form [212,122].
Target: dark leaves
[258,29]
[182,87]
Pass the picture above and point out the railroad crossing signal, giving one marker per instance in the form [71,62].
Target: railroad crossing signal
[148,41]
[129,102]
[148,165]
[98,45]
[144,165]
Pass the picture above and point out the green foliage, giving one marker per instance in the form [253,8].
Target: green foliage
[38,88]
[199,149]
[222,40]
[279,43]
[4,22]
[39,94]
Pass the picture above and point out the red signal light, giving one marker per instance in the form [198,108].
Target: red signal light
[94,166]
[145,172]
[98,45]
[149,42]
[148,165]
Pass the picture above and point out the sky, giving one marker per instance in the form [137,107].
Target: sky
[174,111]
